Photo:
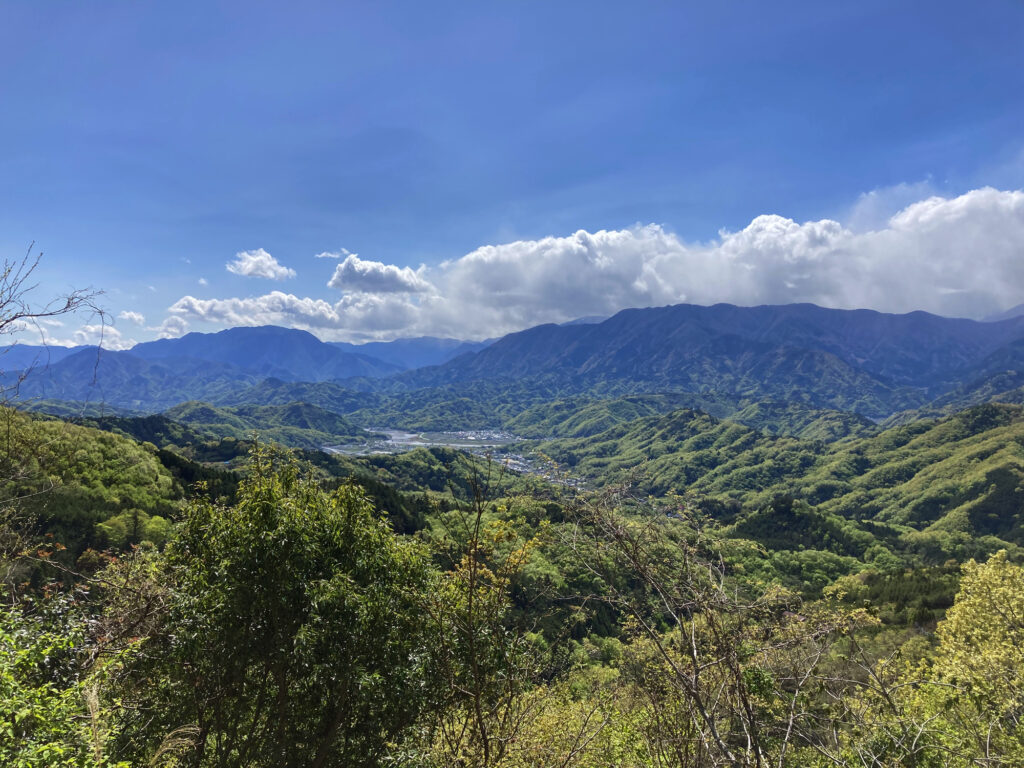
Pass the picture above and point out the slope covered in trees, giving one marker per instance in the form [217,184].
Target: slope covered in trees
[962,474]
[861,361]
[299,425]
[70,479]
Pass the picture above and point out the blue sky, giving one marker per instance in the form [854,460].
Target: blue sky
[145,145]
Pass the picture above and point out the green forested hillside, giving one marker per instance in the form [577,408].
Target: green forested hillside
[563,620]
[793,420]
[1004,387]
[157,429]
[584,416]
[960,474]
[298,425]
[71,478]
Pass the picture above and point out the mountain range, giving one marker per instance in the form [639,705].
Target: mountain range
[156,375]
[862,361]
[858,360]
[268,351]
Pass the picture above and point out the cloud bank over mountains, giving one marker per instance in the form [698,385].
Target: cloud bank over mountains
[960,256]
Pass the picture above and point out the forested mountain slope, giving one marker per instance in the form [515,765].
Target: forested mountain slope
[585,416]
[72,478]
[298,425]
[961,474]
[856,360]
[900,349]
[269,351]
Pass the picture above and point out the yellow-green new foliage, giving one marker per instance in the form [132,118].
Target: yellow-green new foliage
[978,668]
[981,641]
[73,477]
[955,704]
[50,715]
[961,474]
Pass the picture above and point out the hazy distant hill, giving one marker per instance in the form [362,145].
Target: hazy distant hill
[156,375]
[123,380]
[21,356]
[210,366]
[1012,312]
[413,353]
[282,353]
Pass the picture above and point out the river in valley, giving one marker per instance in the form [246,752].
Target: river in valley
[399,441]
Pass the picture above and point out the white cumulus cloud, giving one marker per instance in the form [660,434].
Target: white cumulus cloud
[135,318]
[172,327]
[258,263]
[89,334]
[104,335]
[874,209]
[356,316]
[956,256]
[359,275]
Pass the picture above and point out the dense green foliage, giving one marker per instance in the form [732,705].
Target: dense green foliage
[298,599]
[961,475]
[45,718]
[583,417]
[297,425]
[793,420]
[70,478]
[295,627]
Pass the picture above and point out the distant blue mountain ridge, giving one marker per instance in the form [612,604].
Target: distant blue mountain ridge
[159,374]
[871,363]
[284,353]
